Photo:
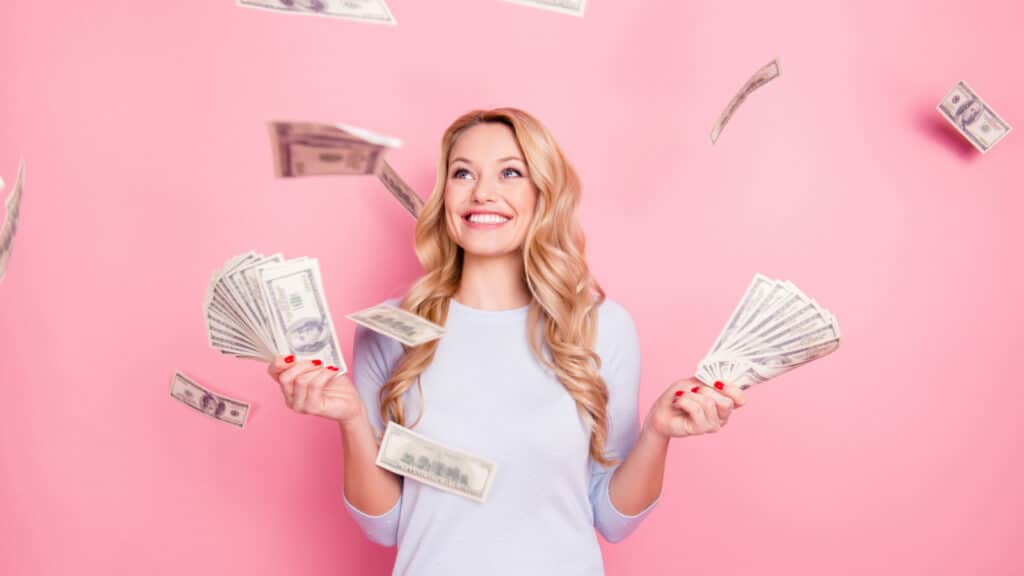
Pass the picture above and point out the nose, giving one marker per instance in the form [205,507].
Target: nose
[484,191]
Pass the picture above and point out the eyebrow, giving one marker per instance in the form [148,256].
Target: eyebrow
[454,160]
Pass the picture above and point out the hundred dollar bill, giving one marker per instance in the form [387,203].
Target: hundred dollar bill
[10,225]
[409,454]
[973,118]
[767,73]
[216,406]
[300,320]
[574,7]
[406,327]
[774,328]
[375,11]
[314,149]
[402,192]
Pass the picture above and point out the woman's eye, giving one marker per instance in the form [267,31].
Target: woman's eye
[460,173]
[511,173]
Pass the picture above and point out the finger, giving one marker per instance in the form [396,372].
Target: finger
[723,403]
[709,408]
[302,385]
[735,393]
[315,393]
[694,418]
[291,377]
[280,364]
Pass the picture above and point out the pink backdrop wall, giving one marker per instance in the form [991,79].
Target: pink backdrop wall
[142,126]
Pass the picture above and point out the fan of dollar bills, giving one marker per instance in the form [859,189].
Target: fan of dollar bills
[774,329]
[265,306]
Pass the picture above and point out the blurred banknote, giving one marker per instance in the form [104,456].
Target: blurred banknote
[574,7]
[375,11]
[767,73]
[411,455]
[227,410]
[10,224]
[402,192]
[259,306]
[312,149]
[774,328]
[404,326]
[973,118]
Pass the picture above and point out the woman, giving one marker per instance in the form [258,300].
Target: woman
[538,371]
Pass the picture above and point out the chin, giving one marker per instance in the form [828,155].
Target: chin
[490,251]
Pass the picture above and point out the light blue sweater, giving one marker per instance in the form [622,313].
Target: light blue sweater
[486,394]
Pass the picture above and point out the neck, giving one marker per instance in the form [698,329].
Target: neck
[493,282]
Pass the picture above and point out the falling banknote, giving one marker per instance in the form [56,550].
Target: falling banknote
[574,7]
[767,73]
[411,455]
[313,149]
[260,307]
[190,393]
[10,224]
[375,11]
[973,118]
[404,326]
[402,192]
[773,329]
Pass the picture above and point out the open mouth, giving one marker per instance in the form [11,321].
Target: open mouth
[492,219]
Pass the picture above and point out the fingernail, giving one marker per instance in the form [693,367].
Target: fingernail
[289,359]
[719,385]
[695,389]
[335,368]
[673,400]
[316,362]
[679,392]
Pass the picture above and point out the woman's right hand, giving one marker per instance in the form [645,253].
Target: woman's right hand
[309,387]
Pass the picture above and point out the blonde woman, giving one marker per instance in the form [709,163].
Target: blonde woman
[538,371]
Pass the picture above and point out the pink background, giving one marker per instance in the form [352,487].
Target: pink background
[142,126]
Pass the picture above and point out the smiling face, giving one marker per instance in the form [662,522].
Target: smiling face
[489,198]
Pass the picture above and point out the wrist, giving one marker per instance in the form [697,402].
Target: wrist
[354,425]
[649,436]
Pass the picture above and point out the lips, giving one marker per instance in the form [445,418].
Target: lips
[467,215]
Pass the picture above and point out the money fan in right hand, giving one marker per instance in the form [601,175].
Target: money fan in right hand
[774,328]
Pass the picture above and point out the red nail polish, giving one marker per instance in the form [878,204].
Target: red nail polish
[719,385]
[289,359]
[679,392]
[335,368]
[673,400]
[316,362]
[695,389]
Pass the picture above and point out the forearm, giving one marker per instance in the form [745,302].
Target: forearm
[637,482]
[370,488]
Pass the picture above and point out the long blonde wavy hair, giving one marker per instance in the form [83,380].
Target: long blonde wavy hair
[565,297]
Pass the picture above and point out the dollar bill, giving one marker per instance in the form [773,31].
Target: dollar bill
[574,7]
[973,118]
[406,327]
[216,406]
[300,320]
[774,329]
[412,455]
[402,192]
[375,11]
[764,75]
[315,149]
[10,225]
[259,307]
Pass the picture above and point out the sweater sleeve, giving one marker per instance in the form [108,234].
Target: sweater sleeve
[620,368]
[373,357]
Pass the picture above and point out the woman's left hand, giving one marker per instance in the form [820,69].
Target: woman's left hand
[691,407]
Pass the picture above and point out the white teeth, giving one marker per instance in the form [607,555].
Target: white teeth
[487,219]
